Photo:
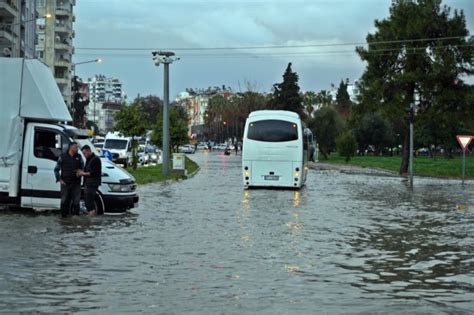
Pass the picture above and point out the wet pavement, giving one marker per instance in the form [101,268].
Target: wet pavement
[343,244]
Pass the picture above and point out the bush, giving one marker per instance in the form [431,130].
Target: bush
[346,145]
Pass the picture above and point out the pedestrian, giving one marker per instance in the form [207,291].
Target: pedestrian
[312,151]
[236,148]
[66,174]
[92,174]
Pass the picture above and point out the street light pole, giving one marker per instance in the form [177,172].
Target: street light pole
[165,58]
[412,109]
[166,122]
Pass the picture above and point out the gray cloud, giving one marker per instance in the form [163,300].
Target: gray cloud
[162,24]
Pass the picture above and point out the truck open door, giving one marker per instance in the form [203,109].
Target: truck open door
[42,147]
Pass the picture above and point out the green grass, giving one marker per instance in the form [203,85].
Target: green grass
[152,174]
[422,166]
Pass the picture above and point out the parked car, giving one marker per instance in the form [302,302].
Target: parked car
[99,146]
[187,148]
[202,146]
[143,156]
[222,146]
[154,153]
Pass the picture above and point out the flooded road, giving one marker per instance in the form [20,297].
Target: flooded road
[343,244]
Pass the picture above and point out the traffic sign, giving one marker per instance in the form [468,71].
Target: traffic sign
[464,141]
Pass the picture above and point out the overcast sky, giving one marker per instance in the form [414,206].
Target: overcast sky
[227,23]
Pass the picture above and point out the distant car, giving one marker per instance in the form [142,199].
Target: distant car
[143,156]
[99,146]
[187,148]
[154,153]
[202,146]
[222,146]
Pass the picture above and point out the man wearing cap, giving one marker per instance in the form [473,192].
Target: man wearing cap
[65,171]
[92,174]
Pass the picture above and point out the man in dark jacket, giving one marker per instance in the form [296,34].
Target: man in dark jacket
[92,174]
[65,171]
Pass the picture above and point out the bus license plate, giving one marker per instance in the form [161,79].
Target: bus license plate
[271,177]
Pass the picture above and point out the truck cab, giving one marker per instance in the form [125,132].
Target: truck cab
[43,144]
[34,136]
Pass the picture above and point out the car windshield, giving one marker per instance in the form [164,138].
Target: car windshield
[116,144]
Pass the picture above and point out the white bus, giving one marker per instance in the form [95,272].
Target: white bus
[275,150]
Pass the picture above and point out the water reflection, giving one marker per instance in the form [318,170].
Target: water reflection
[347,243]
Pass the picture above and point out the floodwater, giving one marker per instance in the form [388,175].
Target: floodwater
[343,244]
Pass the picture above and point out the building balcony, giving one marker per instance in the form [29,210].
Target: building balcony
[63,11]
[58,46]
[8,9]
[6,37]
[63,81]
[62,28]
[62,62]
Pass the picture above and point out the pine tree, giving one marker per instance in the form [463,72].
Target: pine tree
[286,95]
[343,100]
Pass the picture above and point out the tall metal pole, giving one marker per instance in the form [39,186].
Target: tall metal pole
[411,143]
[166,134]
[463,164]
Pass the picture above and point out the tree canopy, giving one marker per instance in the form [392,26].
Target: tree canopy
[421,50]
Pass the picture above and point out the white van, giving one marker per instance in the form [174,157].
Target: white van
[120,147]
[32,110]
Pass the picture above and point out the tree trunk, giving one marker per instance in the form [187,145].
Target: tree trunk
[405,152]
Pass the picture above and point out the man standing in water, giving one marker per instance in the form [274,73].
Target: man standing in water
[65,171]
[92,174]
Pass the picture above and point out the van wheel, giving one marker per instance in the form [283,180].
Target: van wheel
[99,205]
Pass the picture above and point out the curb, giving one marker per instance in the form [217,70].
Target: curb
[189,176]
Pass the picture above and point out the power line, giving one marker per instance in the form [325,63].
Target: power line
[386,52]
[274,46]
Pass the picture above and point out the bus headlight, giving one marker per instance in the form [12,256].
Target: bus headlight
[247,173]
[296,174]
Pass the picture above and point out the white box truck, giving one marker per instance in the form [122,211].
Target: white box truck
[33,135]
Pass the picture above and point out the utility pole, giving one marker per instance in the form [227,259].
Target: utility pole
[165,58]
[411,115]
[166,121]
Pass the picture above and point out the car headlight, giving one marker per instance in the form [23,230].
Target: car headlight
[122,188]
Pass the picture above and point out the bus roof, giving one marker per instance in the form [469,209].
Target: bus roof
[274,113]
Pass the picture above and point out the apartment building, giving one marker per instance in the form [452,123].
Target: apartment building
[195,102]
[55,35]
[106,98]
[18,28]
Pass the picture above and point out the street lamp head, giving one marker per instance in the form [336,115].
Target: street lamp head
[98,60]
[47,16]
[165,57]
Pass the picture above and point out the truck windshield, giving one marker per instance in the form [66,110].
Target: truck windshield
[272,131]
[116,144]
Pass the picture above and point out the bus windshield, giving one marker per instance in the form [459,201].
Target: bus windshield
[272,131]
